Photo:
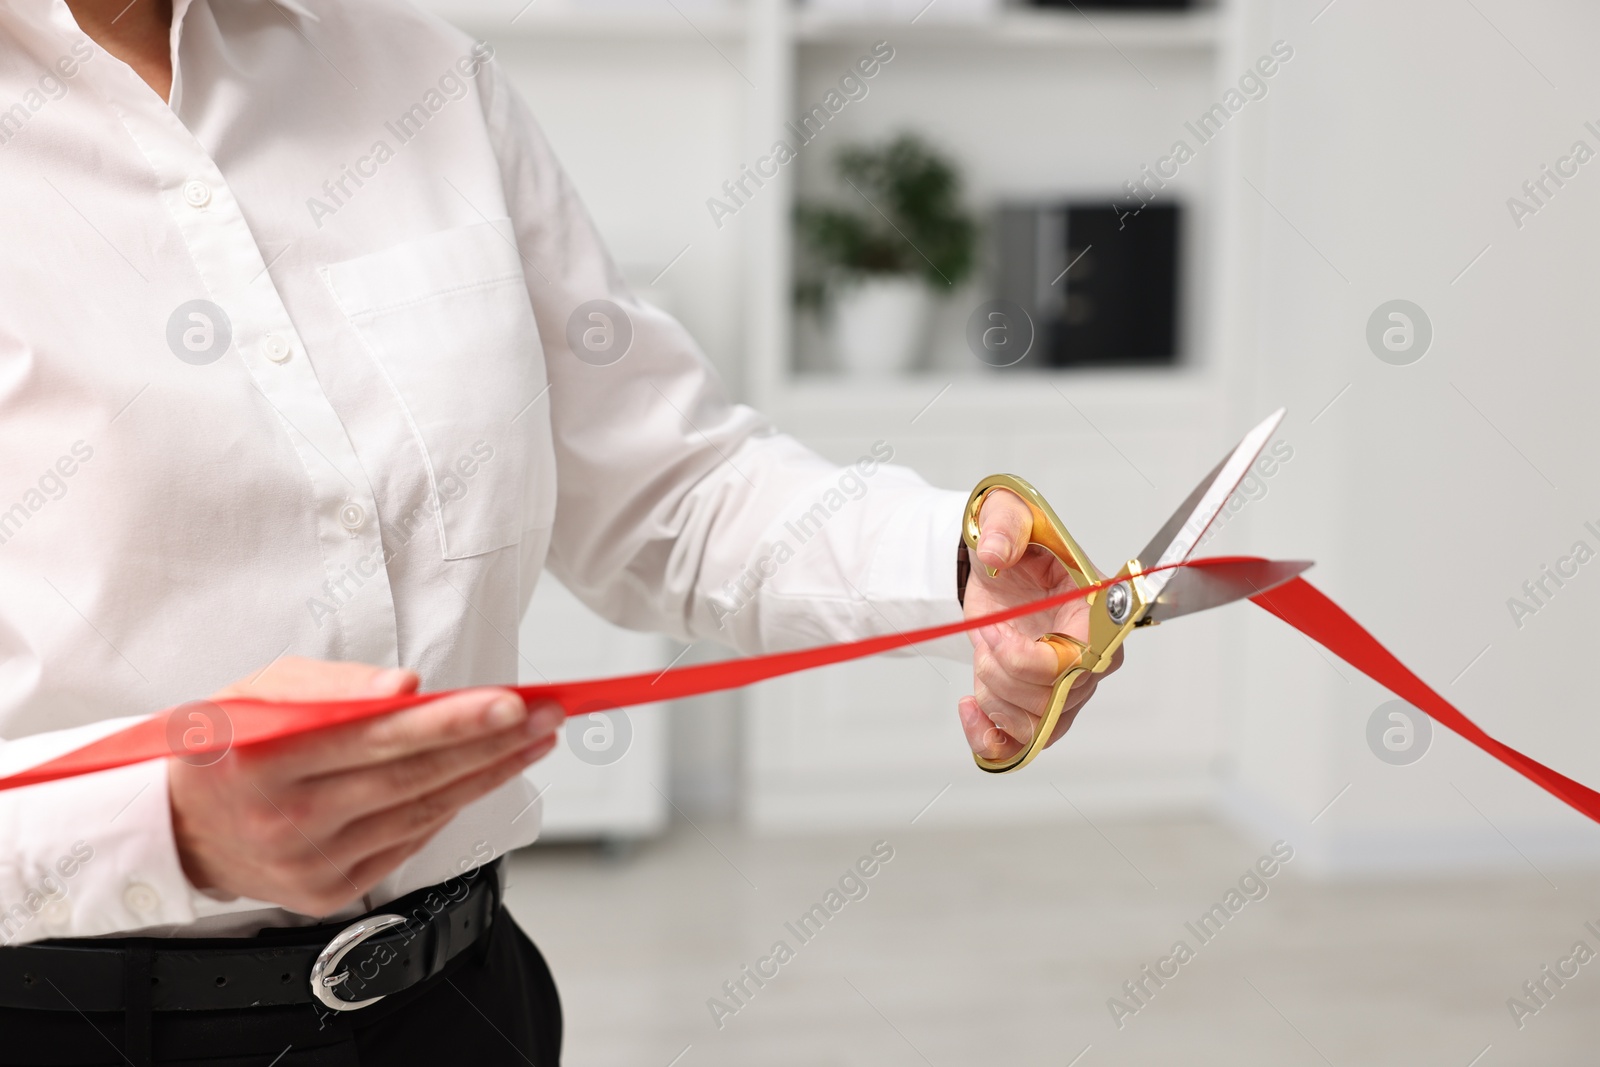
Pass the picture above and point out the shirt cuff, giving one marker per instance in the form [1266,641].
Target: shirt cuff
[90,856]
[912,578]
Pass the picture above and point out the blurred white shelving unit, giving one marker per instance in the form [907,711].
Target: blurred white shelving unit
[606,779]
[1034,104]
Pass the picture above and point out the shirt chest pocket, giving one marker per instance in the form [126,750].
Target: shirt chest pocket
[448,321]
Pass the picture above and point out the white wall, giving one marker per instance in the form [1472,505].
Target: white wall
[1425,491]
[648,129]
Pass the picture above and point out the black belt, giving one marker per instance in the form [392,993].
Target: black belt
[342,966]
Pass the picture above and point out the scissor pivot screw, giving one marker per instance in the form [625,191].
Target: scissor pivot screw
[1118,603]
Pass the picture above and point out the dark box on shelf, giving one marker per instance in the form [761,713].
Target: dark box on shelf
[1099,283]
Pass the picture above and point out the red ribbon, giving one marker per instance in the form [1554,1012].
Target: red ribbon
[1309,610]
[246,722]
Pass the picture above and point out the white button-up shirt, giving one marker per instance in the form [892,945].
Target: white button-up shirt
[308,360]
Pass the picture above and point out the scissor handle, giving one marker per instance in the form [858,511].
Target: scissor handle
[1049,532]
[1104,634]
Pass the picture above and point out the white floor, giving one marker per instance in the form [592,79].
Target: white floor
[1004,948]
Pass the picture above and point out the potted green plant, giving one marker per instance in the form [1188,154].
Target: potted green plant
[875,262]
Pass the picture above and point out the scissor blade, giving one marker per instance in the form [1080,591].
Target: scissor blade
[1182,532]
[1202,588]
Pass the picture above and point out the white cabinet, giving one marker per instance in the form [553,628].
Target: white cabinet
[607,777]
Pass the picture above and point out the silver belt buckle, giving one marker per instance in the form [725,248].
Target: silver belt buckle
[323,981]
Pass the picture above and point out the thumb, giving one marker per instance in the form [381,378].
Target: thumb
[1004,526]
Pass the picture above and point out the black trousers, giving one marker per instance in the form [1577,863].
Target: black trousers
[492,1007]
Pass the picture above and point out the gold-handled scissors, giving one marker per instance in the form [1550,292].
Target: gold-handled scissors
[1142,595]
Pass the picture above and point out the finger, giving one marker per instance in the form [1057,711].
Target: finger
[364,875]
[295,678]
[1004,526]
[1083,688]
[1025,659]
[374,869]
[983,737]
[451,720]
[1064,723]
[1017,721]
[354,794]
[1035,698]
[385,829]
[405,848]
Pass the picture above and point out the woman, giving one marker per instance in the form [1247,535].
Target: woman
[321,363]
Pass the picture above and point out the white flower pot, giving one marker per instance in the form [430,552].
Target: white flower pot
[878,324]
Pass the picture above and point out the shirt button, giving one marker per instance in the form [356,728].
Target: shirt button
[352,518]
[140,898]
[277,349]
[196,193]
[57,913]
